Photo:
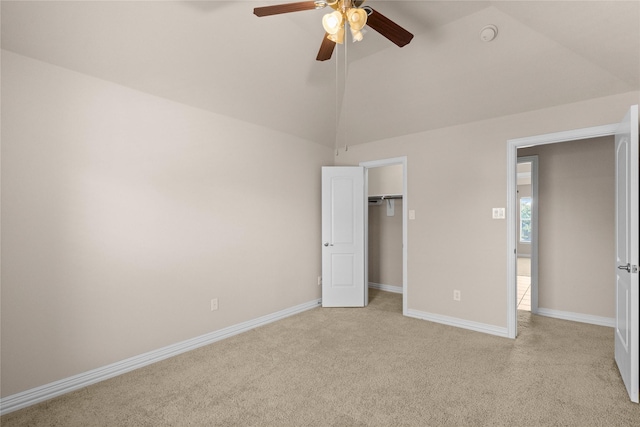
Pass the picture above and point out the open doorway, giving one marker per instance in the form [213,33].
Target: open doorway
[576,209]
[386,227]
[527,233]
[528,147]
[623,289]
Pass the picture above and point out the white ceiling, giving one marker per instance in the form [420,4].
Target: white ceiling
[218,56]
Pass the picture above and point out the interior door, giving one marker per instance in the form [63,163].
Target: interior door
[343,278]
[626,329]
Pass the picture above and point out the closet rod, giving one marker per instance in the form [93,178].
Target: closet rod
[385,197]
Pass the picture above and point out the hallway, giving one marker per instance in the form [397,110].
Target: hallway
[524,283]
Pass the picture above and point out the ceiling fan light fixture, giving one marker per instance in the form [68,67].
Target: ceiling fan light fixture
[345,13]
[356,35]
[332,22]
[338,37]
[357,18]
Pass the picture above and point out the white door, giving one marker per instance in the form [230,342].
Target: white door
[343,237]
[626,329]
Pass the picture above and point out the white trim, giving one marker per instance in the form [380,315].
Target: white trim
[384,162]
[577,317]
[458,323]
[366,235]
[564,136]
[66,385]
[405,220]
[387,288]
[512,159]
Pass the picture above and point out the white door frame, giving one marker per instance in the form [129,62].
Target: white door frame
[405,212]
[512,160]
[534,229]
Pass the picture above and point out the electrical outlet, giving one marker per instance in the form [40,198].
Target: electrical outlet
[214,304]
[456,295]
[319,280]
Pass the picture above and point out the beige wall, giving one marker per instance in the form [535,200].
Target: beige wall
[576,213]
[385,244]
[456,175]
[385,180]
[123,214]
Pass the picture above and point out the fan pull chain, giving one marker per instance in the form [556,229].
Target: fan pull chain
[336,107]
[344,103]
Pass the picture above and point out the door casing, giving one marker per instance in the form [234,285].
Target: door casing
[512,160]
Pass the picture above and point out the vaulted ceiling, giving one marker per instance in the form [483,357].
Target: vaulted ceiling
[218,56]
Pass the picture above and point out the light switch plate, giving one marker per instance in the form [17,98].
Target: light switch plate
[412,214]
[498,213]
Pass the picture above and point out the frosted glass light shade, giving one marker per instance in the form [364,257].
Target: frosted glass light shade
[338,37]
[357,18]
[332,22]
[356,35]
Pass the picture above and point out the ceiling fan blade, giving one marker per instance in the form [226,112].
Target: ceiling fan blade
[326,49]
[285,8]
[387,27]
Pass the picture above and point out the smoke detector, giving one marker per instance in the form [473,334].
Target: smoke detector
[488,33]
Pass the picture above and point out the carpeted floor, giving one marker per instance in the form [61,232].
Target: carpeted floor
[365,367]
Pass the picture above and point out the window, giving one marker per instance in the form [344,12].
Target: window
[525,220]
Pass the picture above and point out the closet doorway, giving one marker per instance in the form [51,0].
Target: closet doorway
[386,226]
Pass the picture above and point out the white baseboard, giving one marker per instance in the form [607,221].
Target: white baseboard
[387,288]
[577,317]
[66,385]
[458,323]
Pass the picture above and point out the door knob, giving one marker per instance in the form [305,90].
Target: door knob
[625,267]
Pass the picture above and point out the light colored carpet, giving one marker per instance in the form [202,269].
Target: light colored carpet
[365,367]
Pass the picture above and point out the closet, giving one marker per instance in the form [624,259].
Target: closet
[385,228]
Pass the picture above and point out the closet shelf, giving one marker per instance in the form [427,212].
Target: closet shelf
[385,197]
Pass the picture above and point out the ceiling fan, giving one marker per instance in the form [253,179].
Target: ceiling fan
[346,12]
